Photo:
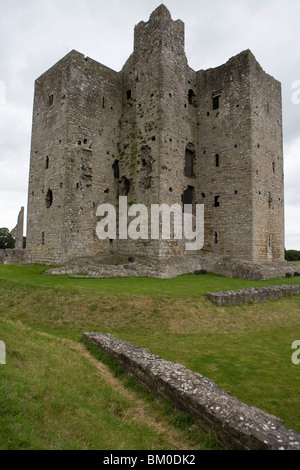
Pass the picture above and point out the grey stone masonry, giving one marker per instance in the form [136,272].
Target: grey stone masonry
[18,231]
[236,425]
[12,256]
[252,294]
[120,266]
[157,132]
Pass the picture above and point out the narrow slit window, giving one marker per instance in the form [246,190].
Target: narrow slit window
[217,160]
[128,94]
[116,169]
[49,198]
[125,186]
[47,163]
[191,96]
[189,161]
[270,200]
[50,100]
[216,102]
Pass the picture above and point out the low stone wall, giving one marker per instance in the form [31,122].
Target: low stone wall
[237,425]
[11,256]
[164,268]
[252,294]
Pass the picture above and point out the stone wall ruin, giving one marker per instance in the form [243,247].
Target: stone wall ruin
[236,425]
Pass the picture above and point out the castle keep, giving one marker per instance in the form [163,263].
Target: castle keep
[157,132]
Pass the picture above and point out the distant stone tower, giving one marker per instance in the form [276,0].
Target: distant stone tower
[18,231]
[158,132]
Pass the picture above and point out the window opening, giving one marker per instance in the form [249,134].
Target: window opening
[189,160]
[188,196]
[216,102]
[217,203]
[49,198]
[191,96]
[125,186]
[116,169]
[270,200]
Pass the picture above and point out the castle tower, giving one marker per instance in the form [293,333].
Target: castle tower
[241,160]
[157,122]
[157,132]
[75,132]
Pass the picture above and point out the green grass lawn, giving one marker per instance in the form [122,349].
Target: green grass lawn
[49,378]
[187,285]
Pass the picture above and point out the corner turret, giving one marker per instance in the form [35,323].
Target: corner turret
[160,25]
[160,13]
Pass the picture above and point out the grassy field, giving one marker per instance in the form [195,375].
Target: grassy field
[55,394]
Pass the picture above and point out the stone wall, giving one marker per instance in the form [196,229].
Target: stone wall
[12,256]
[254,294]
[237,425]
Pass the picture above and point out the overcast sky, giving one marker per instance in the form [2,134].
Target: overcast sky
[35,34]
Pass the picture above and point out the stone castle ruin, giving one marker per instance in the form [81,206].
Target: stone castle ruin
[158,132]
[18,231]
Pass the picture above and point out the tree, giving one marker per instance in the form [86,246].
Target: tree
[6,239]
[292,255]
